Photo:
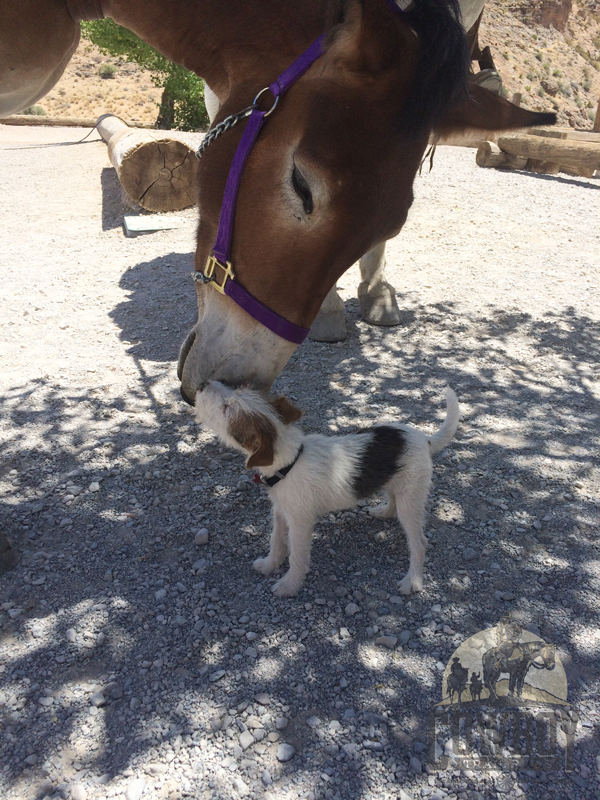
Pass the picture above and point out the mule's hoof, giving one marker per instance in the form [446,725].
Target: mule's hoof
[9,556]
[378,305]
[329,326]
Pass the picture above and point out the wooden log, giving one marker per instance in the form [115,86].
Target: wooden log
[565,133]
[158,173]
[56,122]
[541,167]
[490,155]
[584,155]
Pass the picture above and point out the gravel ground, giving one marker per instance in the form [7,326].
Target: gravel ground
[140,654]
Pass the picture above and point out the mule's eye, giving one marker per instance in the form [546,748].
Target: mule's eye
[302,190]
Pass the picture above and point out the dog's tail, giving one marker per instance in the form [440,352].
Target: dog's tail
[446,433]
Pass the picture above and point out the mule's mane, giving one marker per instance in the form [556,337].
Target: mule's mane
[443,62]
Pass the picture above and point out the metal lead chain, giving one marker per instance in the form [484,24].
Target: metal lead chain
[221,127]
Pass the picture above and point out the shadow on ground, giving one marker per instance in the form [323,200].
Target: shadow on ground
[113,595]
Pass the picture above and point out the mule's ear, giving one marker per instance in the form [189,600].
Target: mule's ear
[365,42]
[487,111]
[286,411]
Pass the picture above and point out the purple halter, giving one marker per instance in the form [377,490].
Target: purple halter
[221,253]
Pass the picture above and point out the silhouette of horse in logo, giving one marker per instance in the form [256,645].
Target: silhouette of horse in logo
[516,659]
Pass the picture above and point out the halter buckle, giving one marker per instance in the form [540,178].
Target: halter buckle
[210,276]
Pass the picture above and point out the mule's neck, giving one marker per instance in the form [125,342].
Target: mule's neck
[229,43]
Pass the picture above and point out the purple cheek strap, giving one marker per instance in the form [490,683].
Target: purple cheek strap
[219,270]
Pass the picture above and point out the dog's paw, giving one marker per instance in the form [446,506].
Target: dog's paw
[264,566]
[410,583]
[286,587]
[381,512]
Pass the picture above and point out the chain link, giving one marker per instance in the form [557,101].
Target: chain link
[221,127]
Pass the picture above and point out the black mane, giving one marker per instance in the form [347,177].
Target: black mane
[443,63]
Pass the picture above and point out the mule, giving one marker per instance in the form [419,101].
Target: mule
[516,663]
[330,176]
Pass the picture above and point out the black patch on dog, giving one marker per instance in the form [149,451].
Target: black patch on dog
[380,460]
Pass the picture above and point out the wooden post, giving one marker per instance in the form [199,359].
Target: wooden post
[596,127]
[516,99]
[158,173]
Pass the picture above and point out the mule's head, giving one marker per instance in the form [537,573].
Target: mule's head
[330,175]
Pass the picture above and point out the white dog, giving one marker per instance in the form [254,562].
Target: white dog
[310,475]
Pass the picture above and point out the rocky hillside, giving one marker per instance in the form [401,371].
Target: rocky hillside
[548,50]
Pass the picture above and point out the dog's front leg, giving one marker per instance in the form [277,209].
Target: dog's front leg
[279,546]
[300,539]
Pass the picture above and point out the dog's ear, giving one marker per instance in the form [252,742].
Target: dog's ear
[286,411]
[256,434]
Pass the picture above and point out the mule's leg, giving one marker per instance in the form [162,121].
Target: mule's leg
[300,540]
[279,546]
[376,296]
[329,325]
[385,510]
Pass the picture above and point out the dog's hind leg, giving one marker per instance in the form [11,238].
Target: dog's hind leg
[411,497]
[300,540]
[279,546]
[385,510]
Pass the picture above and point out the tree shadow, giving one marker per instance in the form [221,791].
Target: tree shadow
[113,596]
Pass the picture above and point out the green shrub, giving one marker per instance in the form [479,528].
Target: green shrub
[37,111]
[531,76]
[107,70]
[182,103]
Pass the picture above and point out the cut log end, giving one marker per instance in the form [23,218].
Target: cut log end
[159,174]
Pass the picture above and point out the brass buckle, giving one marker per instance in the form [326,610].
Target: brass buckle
[209,272]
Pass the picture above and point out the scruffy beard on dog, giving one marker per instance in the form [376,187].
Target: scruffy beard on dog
[307,475]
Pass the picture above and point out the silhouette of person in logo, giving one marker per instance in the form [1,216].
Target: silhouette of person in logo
[508,635]
[457,680]
[475,686]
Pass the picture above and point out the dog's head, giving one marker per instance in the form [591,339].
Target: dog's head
[246,420]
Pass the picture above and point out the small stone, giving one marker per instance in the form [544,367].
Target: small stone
[78,792]
[216,676]
[387,641]
[263,698]
[156,768]
[251,652]
[251,636]
[469,554]
[46,701]
[201,537]
[351,609]
[64,523]
[31,760]
[285,752]
[94,487]
[160,594]
[241,788]
[404,637]
[313,722]
[135,788]
[134,703]
[70,635]
[245,740]
[415,765]
[266,777]
[281,723]
[98,699]
[200,565]
[507,596]
[396,600]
